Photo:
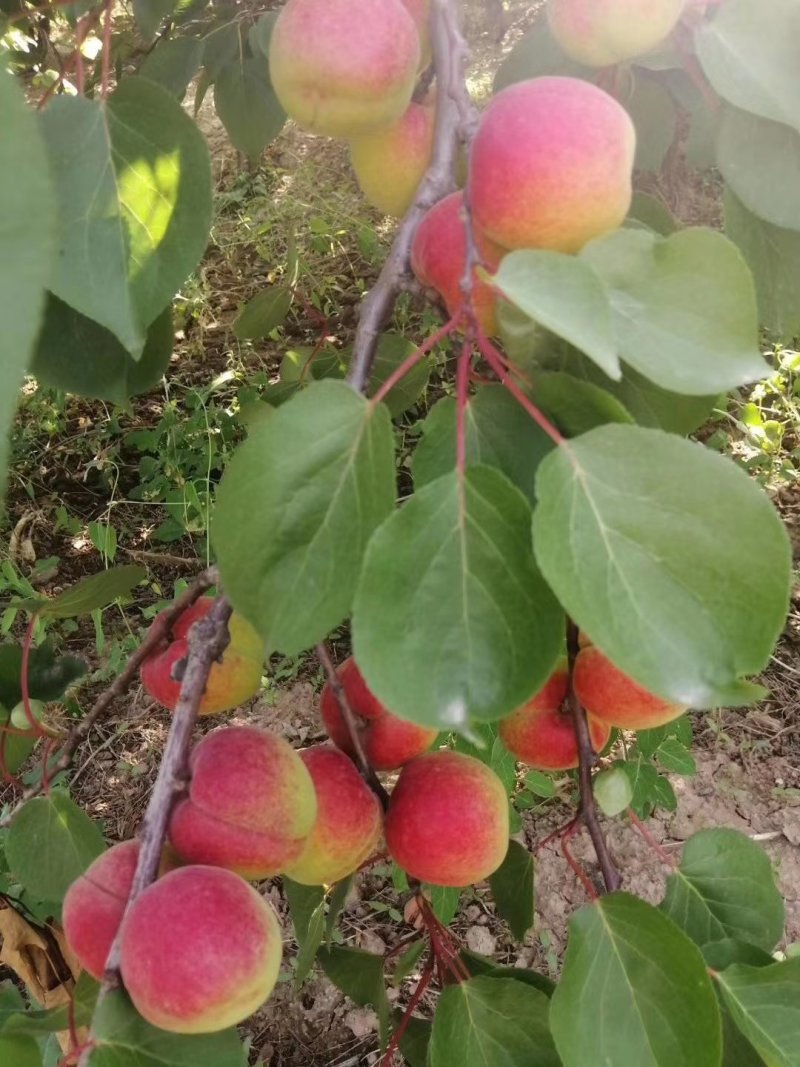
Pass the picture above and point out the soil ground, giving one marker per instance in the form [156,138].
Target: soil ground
[748,762]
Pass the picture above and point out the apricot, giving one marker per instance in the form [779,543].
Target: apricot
[439,255]
[349,820]
[614,698]
[390,164]
[447,822]
[343,68]
[420,13]
[201,951]
[94,905]
[551,165]
[388,742]
[251,803]
[232,681]
[600,33]
[541,734]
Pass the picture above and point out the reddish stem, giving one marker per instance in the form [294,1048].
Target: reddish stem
[579,872]
[557,833]
[495,361]
[662,853]
[413,359]
[416,997]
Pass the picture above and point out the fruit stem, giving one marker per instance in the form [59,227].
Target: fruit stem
[160,628]
[587,758]
[454,123]
[366,770]
[416,997]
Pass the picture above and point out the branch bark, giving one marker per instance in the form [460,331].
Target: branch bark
[158,632]
[588,757]
[455,121]
[208,639]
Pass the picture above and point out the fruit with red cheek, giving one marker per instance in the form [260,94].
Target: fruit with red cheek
[600,33]
[551,165]
[439,256]
[420,12]
[200,951]
[231,682]
[251,803]
[349,820]
[94,905]
[390,164]
[541,734]
[388,742]
[343,68]
[447,822]
[614,698]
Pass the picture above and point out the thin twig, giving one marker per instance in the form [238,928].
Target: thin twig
[588,757]
[453,123]
[158,632]
[366,770]
[208,639]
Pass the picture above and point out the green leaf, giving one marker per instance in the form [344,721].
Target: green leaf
[764,1002]
[49,676]
[407,961]
[304,901]
[662,794]
[311,942]
[452,570]
[654,545]
[564,294]
[540,784]
[773,256]
[719,955]
[149,15]
[133,181]
[725,888]
[247,105]
[674,756]
[493,1021]
[760,161]
[359,975]
[173,63]
[89,594]
[653,213]
[575,406]
[337,901]
[19,1051]
[535,54]
[654,116]
[444,901]
[499,433]
[55,1020]
[124,1039]
[415,1041]
[263,314]
[221,46]
[644,778]
[50,843]
[512,889]
[260,33]
[77,355]
[15,749]
[11,1001]
[683,308]
[736,1049]
[750,57]
[634,990]
[295,509]
[484,966]
[613,791]
[27,232]
[392,350]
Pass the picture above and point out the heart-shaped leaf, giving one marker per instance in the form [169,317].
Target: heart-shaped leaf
[668,556]
[764,1003]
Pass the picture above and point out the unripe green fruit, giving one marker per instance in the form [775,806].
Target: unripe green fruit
[600,33]
[19,719]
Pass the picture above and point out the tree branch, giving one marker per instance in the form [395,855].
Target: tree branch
[455,120]
[208,639]
[161,628]
[366,770]
[588,757]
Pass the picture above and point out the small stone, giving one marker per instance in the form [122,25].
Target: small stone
[481,941]
[361,1022]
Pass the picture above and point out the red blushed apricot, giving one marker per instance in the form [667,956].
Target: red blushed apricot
[251,803]
[388,742]
[541,734]
[390,164]
[94,905]
[614,698]
[447,822]
[349,820]
[420,13]
[230,683]
[551,165]
[201,951]
[439,256]
[343,68]
[600,33]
